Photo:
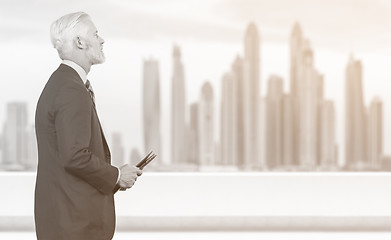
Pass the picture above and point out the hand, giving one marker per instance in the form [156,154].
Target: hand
[128,176]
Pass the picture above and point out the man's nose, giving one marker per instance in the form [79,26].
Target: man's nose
[102,40]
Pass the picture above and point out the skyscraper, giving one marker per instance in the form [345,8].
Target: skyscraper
[296,62]
[117,149]
[251,97]
[194,145]
[1,151]
[228,122]
[287,131]
[375,133]
[178,103]
[306,87]
[15,136]
[151,109]
[355,123]
[274,122]
[32,149]
[308,109]
[206,126]
[135,156]
[237,74]
[327,132]
[320,104]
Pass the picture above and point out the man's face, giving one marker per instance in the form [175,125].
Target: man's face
[94,44]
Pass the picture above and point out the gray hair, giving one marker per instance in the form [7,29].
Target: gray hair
[62,32]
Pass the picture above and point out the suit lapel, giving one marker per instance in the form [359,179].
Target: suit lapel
[105,145]
[64,67]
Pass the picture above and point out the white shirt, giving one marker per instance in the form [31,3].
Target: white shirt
[77,68]
[83,76]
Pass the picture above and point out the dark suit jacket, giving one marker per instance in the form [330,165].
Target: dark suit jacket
[75,180]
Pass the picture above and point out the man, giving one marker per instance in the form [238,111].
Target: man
[75,180]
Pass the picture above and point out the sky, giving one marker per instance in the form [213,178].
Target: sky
[210,35]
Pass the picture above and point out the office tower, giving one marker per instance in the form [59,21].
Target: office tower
[262,165]
[151,109]
[237,74]
[375,133]
[194,135]
[228,122]
[1,151]
[206,126]
[308,109]
[15,136]
[355,123]
[386,163]
[32,149]
[287,131]
[117,150]
[251,97]
[135,156]
[274,122]
[296,62]
[327,132]
[320,102]
[178,103]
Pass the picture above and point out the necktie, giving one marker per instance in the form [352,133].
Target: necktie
[91,91]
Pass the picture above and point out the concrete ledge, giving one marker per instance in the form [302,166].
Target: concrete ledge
[227,223]
[229,202]
[254,223]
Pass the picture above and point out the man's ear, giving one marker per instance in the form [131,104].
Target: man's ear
[80,43]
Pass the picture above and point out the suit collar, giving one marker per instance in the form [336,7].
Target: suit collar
[80,71]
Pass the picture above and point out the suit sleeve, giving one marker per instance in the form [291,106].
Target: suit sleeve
[73,127]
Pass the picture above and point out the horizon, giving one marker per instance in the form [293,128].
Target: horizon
[203,34]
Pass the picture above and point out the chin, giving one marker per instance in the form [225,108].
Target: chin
[99,60]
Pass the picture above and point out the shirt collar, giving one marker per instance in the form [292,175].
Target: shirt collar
[77,68]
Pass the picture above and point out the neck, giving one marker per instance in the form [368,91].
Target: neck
[82,62]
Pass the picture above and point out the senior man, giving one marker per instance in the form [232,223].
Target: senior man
[75,179]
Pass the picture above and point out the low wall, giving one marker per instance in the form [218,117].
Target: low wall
[230,201]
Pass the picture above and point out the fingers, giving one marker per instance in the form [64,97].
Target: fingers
[128,176]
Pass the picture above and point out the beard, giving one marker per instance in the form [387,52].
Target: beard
[96,56]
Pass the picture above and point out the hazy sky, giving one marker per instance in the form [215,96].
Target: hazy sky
[210,34]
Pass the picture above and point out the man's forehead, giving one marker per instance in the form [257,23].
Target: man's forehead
[89,25]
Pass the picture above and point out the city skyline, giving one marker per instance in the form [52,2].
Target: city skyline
[209,35]
[315,147]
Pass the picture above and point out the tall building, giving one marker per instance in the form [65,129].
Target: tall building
[320,104]
[117,150]
[251,97]
[237,74]
[151,109]
[32,149]
[206,126]
[375,133]
[355,123]
[287,132]
[228,131]
[274,122]
[135,156]
[328,149]
[306,86]
[1,151]
[194,142]
[15,136]
[296,63]
[308,109]
[178,103]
